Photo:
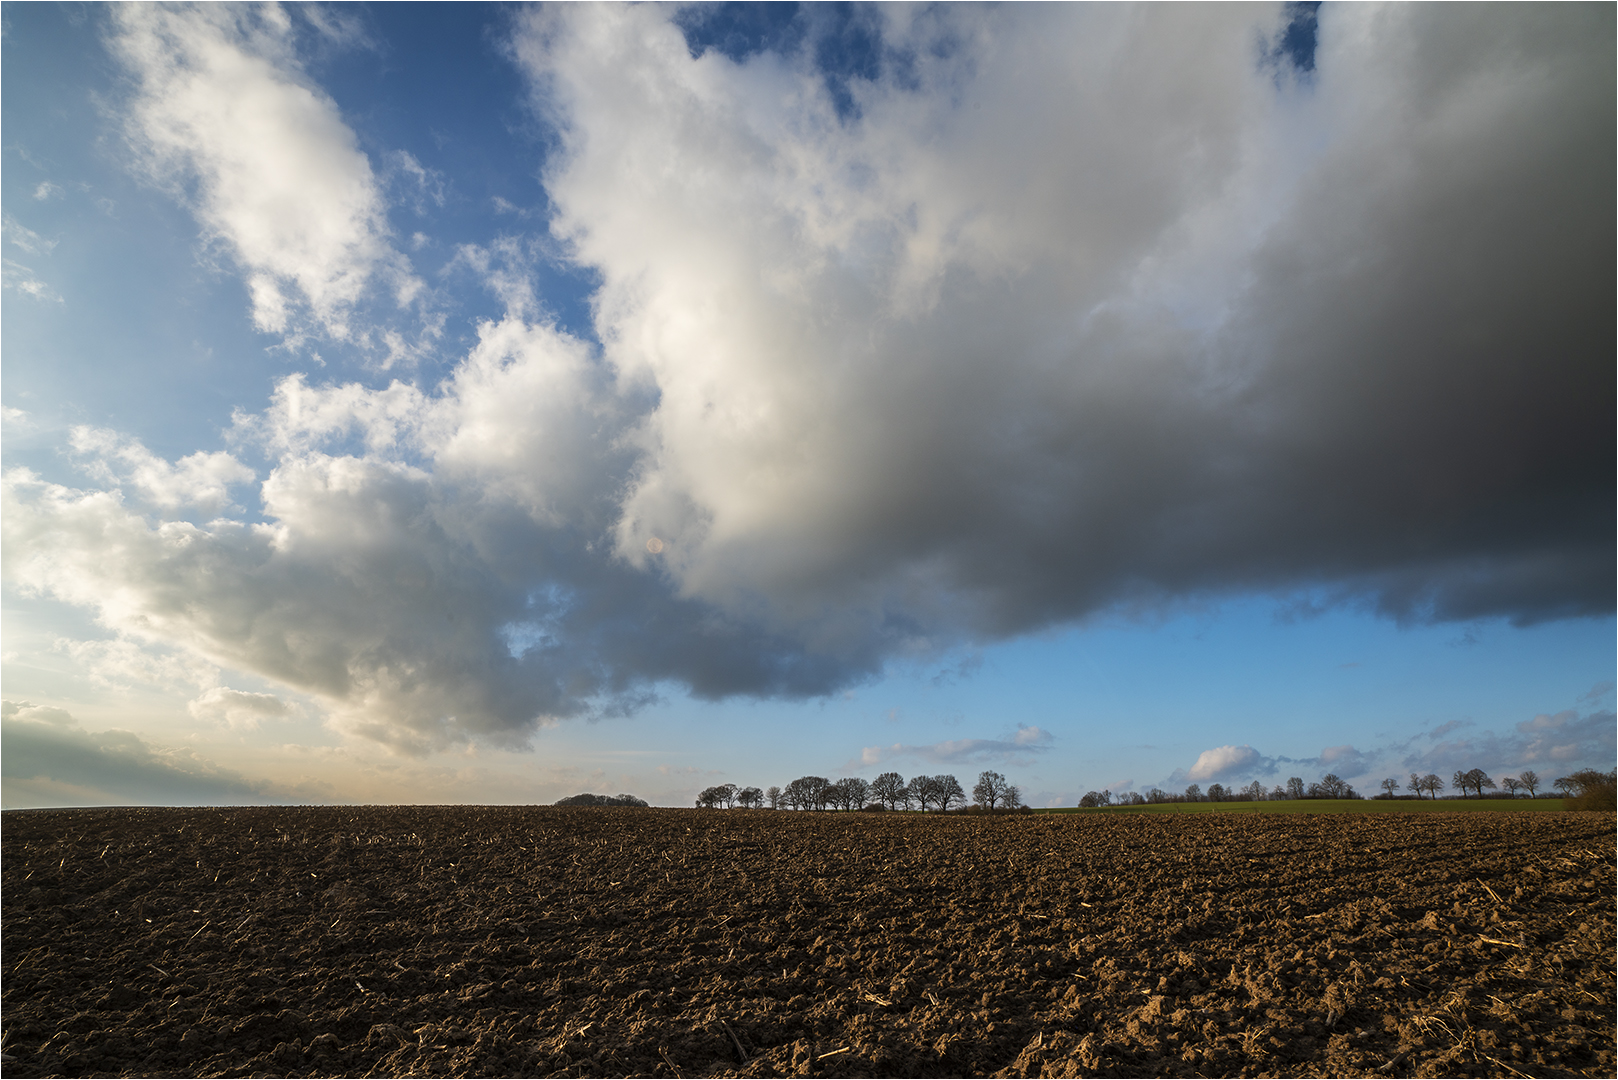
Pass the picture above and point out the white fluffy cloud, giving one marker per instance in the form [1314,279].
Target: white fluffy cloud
[223,112]
[201,479]
[1227,761]
[1065,309]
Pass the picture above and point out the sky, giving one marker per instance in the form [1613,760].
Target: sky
[485,404]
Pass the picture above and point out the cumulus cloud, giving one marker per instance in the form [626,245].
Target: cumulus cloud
[894,362]
[223,113]
[201,479]
[48,759]
[238,708]
[1227,761]
[1020,746]
[935,365]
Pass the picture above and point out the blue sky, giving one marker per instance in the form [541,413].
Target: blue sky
[485,404]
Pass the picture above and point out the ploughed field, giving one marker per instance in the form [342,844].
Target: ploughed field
[399,941]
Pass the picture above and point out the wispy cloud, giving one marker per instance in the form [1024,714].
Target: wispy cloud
[1021,746]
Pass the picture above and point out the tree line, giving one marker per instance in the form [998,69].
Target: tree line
[1330,786]
[1469,782]
[890,791]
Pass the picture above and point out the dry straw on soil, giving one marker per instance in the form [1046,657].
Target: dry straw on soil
[517,941]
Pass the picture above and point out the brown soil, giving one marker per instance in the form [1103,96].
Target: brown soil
[584,942]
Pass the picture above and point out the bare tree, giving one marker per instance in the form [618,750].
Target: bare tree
[1157,795]
[773,794]
[1254,792]
[1511,784]
[1217,793]
[1390,785]
[719,795]
[857,789]
[922,791]
[1333,786]
[1462,781]
[948,790]
[1278,793]
[1588,789]
[1193,793]
[750,797]
[1432,784]
[889,790]
[993,789]
[1530,780]
[1295,789]
[1415,784]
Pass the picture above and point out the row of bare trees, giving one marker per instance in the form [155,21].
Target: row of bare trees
[1330,786]
[890,791]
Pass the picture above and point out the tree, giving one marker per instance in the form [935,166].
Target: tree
[1415,784]
[1091,800]
[807,793]
[1390,785]
[856,789]
[1511,784]
[1333,786]
[1588,789]
[1217,793]
[922,791]
[948,790]
[1472,780]
[1295,787]
[750,797]
[993,789]
[1157,795]
[719,795]
[1530,780]
[1193,793]
[1432,784]
[1278,793]
[1254,792]
[773,793]
[889,790]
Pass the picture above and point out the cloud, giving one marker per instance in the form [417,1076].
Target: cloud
[19,278]
[1027,741]
[238,708]
[47,190]
[892,363]
[936,366]
[1227,761]
[224,115]
[201,479]
[124,662]
[25,238]
[48,759]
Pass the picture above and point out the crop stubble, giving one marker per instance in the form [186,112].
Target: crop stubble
[462,941]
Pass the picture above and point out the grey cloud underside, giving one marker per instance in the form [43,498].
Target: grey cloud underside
[119,767]
[1015,341]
